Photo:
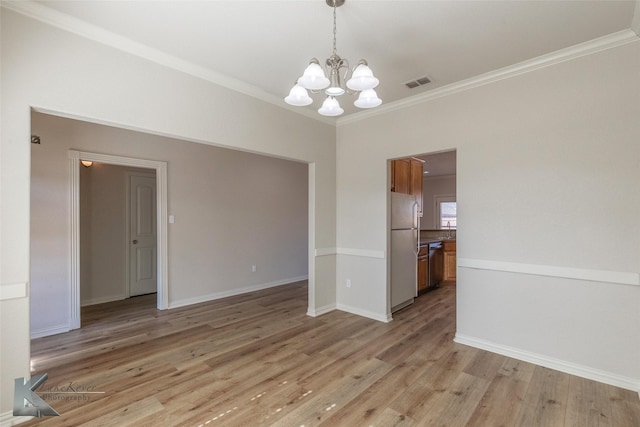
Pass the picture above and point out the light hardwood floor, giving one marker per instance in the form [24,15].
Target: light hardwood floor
[258,360]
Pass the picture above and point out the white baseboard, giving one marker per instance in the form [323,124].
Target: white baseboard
[95,301]
[53,330]
[7,419]
[320,310]
[552,363]
[233,292]
[365,313]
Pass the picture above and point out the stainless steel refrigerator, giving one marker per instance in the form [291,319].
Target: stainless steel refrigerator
[404,250]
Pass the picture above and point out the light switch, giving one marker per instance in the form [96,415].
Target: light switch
[172,219]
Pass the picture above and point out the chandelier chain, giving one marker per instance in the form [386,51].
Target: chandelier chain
[334,28]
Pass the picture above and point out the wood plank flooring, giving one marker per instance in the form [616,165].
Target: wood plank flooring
[258,360]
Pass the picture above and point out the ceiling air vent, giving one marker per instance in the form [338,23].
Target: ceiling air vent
[418,82]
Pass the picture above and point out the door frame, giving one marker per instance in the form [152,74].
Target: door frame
[161,224]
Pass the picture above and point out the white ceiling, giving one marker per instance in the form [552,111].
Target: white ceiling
[439,164]
[265,45]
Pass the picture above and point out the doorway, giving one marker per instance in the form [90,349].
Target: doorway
[117,232]
[159,223]
[430,179]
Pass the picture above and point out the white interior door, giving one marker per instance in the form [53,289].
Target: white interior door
[142,235]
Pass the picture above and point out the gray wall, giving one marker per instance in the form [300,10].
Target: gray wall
[232,210]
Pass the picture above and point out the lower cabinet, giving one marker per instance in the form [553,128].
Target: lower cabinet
[449,248]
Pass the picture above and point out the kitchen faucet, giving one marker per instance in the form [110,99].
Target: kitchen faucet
[449,227]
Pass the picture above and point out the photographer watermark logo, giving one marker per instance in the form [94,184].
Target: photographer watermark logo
[26,402]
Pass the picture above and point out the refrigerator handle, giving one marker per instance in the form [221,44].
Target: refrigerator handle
[417,222]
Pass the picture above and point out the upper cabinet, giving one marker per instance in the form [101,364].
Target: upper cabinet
[401,176]
[406,177]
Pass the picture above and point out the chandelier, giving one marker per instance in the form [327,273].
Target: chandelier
[360,80]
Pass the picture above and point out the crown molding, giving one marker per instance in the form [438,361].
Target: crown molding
[83,29]
[635,22]
[583,49]
[76,26]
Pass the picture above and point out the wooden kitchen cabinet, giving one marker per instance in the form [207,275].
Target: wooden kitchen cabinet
[449,250]
[401,178]
[406,178]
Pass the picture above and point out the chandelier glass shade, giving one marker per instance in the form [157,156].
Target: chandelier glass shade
[367,99]
[359,80]
[298,96]
[330,107]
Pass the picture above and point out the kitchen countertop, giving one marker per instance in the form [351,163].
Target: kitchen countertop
[425,242]
[428,240]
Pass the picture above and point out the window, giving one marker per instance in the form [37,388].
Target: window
[448,218]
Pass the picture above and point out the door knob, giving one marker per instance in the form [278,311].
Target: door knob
[135,242]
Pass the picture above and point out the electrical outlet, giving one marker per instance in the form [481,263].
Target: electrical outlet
[348,283]
[254,268]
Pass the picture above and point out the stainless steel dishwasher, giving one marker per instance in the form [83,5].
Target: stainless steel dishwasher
[436,267]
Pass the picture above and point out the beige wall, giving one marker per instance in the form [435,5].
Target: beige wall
[548,166]
[76,77]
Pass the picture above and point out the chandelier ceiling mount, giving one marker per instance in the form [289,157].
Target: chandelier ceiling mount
[336,3]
